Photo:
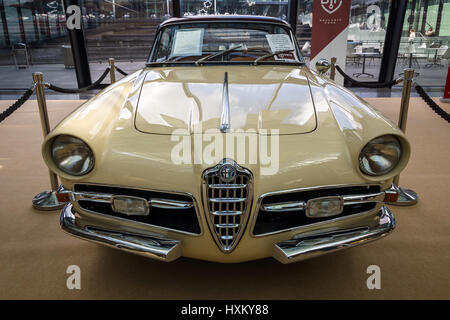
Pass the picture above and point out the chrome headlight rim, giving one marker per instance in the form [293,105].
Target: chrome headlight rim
[81,143]
[398,144]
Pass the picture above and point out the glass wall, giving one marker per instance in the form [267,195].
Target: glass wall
[114,28]
[425,41]
[366,35]
[271,8]
[304,26]
[38,24]
[123,29]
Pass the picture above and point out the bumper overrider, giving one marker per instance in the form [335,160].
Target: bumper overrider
[289,251]
[308,247]
[151,247]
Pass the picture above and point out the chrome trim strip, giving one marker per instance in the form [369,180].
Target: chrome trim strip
[225,117]
[300,228]
[91,196]
[156,248]
[284,206]
[329,186]
[258,206]
[226,225]
[226,213]
[153,202]
[228,186]
[227,200]
[301,205]
[298,249]
[170,204]
[197,211]
[135,222]
[357,199]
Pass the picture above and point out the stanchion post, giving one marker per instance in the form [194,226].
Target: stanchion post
[406,93]
[46,200]
[112,69]
[333,68]
[406,197]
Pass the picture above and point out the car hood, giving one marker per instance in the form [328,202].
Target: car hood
[188,99]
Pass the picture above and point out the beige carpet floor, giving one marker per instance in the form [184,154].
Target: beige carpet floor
[34,252]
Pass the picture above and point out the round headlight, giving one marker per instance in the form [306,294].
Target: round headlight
[72,156]
[380,155]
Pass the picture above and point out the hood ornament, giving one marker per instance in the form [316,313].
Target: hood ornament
[225,117]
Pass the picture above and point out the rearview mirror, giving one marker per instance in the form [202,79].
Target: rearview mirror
[323,65]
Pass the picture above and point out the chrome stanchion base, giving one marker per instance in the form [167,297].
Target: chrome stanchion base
[47,201]
[406,197]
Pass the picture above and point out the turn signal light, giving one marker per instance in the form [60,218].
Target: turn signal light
[63,196]
[390,196]
[130,206]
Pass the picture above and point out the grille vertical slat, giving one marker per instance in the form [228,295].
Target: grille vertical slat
[228,201]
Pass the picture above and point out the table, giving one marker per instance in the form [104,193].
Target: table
[410,65]
[430,65]
[364,55]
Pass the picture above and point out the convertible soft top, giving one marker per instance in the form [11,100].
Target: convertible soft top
[212,18]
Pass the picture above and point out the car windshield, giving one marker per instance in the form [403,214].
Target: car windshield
[223,42]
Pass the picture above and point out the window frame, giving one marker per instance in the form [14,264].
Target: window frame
[157,41]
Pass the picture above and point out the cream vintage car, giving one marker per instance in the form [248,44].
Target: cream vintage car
[226,148]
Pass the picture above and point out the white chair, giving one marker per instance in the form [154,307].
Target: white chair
[352,58]
[446,57]
[440,54]
[306,49]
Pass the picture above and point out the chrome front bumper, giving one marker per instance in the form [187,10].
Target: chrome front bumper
[302,248]
[151,247]
[299,248]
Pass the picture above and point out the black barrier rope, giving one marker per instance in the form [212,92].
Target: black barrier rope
[121,71]
[433,105]
[95,85]
[365,84]
[5,114]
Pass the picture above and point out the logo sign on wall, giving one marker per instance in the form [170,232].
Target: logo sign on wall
[330,31]
[331,6]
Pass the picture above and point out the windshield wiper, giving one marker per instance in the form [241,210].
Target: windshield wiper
[271,55]
[213,55]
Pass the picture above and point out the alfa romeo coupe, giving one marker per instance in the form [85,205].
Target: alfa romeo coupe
[226,148]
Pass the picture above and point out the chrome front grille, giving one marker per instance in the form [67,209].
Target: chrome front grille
[227,195]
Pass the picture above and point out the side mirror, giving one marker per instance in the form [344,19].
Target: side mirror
[323,65]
